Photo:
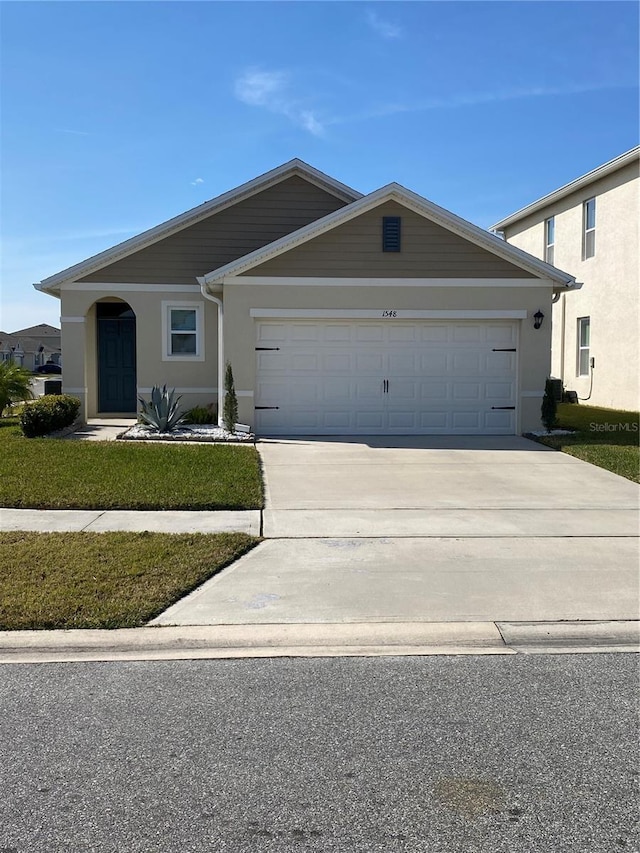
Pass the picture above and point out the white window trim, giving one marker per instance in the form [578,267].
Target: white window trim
[167,355]
[586,230]
[547,244]
[580,348]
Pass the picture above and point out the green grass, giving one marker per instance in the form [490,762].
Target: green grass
[46,473]
[104,580]
[607,438]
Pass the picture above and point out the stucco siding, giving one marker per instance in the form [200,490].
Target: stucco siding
[79,350]
[355,250]
[610,294]
[225,236]
[534,346]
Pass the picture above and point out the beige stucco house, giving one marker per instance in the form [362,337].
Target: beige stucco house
[591,227]
[339,313]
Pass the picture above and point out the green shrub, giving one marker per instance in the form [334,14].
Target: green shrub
[202,415]
[230,410]
[549,407]
[49,413]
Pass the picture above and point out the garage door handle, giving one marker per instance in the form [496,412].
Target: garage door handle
[503,407]
[266,349]
[509,349]
[266,407]
[385,386]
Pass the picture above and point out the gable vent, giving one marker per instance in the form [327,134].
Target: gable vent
[391,233]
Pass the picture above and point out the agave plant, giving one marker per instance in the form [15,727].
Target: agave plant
[161,413]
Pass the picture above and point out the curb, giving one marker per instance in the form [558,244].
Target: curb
[370,639]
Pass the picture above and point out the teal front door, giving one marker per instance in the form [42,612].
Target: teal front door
[116,357]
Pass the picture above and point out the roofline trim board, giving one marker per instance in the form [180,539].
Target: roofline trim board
[409,199]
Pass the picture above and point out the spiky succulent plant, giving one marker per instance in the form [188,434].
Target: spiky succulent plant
[161,413]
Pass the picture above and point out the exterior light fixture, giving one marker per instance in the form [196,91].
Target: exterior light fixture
[538,317]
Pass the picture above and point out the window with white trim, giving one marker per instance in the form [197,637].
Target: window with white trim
[183,331]
[589,229]
[549,238]
[584,340]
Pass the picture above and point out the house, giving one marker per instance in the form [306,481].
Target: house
[31,347]
[590,226]
[340,313]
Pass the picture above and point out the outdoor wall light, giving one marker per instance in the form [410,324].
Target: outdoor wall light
[538,317]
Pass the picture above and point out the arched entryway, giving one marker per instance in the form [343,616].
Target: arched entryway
[116,338]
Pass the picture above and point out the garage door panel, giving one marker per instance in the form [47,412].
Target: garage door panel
[499,391]
[370,362]
[403,363]
[497,420]
[338,362]
[465,420]
[434,364]
[369,333]
[467,391]
[337,389]
[502,335]
[369,420]
[368,389]
[465,334]
[341,377]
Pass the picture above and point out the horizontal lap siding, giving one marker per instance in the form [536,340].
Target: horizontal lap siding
[355,250]
[223,237]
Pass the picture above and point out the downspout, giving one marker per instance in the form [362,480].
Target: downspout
[203,289]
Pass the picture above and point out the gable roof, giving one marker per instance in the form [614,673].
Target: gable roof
[411,200]
[42,330]
[287,170]
[572,186]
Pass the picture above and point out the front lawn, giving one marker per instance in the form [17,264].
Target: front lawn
[606,437]
[104,580]
[47,473]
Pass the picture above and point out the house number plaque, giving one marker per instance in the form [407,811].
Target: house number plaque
[389,313]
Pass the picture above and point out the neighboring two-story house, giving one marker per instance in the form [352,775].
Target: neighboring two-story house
[591,228]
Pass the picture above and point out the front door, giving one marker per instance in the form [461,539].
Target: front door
[116,357]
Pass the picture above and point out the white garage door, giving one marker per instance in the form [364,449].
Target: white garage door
[335,377]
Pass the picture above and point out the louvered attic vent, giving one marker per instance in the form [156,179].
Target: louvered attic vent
[391,233]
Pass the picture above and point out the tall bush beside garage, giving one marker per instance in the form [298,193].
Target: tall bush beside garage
[549,406]
[49,413]
[230,409]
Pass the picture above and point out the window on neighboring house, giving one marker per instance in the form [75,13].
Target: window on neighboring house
[549,238]
[589,223]
[584,336]
[391,226]
[183,331]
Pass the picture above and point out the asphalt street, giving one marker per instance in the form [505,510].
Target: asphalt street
[438,754]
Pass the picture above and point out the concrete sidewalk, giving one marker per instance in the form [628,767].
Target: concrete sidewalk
[102,521]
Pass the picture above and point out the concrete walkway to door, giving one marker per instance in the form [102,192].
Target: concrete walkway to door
[430,529]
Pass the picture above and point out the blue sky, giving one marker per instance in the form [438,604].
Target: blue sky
[119,115]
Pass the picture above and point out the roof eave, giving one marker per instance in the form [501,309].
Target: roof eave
[52,283]
[562,192]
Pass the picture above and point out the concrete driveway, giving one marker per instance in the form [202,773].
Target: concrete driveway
[430,529]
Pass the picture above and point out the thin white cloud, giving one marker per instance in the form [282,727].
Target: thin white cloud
[383,28]
[73,132]
[469,100]
[272,91]
[197,182]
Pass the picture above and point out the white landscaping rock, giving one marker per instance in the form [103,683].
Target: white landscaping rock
[186,432]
